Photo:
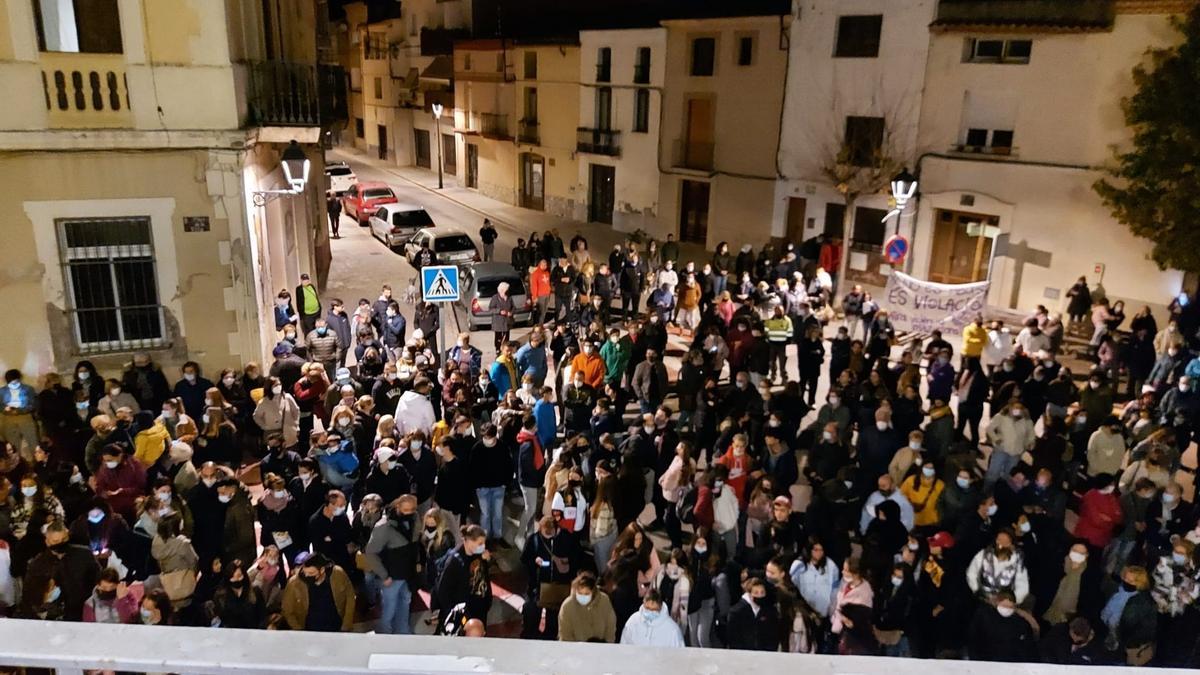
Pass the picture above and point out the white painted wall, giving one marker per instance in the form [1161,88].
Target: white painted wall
[822,91]
[637,175]
[1067,112]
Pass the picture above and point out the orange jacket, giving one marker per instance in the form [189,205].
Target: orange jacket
[539,283]
[592,367]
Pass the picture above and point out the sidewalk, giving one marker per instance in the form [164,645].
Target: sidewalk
[518,221]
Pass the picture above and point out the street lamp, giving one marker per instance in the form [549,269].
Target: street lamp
[295,166]
[437,121]
[904,186]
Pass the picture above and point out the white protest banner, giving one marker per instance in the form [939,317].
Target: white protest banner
[923,306]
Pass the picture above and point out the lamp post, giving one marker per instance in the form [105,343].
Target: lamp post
[296,166]
[437,122]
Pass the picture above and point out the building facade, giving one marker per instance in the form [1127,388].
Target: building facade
[138,133]
[855,75]
[1021,110]
[721,116]
[620,104]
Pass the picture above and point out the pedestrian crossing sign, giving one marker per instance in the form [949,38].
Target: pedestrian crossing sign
[439,283]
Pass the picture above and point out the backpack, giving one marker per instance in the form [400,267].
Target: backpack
[685,508]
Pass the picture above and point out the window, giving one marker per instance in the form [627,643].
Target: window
[604,108]
[467,61]
[1002,139]
[499,62]
[379,88]
[531,105]
[378,193]
[360,129]
[745,53]
[453,243]
[641,67]
[997,51]
[375,47]
[415,218]
[487,286]
[88,26]
[869,228]
[703,55]
[858,36]
[989,117]
[112,287]
[641,110]
[977,137]
[604,65]
[531,65]
[863,140]
[999,141]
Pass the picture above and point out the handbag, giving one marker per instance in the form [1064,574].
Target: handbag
[179,585]
[552,594]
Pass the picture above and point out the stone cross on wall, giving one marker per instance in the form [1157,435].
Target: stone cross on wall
[1021,254]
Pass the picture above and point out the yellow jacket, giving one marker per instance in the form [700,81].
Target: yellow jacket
[923,495]
[150,444]
[974,338]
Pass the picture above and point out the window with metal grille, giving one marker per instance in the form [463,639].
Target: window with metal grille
[111,283]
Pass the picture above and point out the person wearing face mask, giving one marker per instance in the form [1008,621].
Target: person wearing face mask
[388,477]
[192,389]
[650,626]
[1175,591]
[1000,634]
[465,577]
[144,381]
[88,381]
[836,411]
[923,490]
[320,597]
[278,413]
[649,382]
[1066,599]
[587,614]
[67,567]
[121,480]
[1011,435]
[414,412]
[392,556]
[237,538]
[976,529]
[999,568]
[236,603]
[279,517]
[111,601]
[1131,616]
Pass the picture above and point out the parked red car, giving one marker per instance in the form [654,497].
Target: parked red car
[363,199]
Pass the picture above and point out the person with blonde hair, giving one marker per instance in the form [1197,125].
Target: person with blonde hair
[1132,617]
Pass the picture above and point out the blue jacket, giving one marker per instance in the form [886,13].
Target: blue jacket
[21,396]
[532,361]
[338,468]
[547,423]
[500,378]
[393,331]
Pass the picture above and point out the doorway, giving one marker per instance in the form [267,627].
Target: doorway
[421,148]
[797,208]
[693,211]
[533,181]
[383,143]
[698,139]
[602,193]
[472,166]
[962,246]
[449,155]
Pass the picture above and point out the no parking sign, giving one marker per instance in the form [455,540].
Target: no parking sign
[895,248]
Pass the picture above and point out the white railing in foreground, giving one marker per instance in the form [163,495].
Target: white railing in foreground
[71,648]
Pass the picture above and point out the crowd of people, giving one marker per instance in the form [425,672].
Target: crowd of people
[721,505]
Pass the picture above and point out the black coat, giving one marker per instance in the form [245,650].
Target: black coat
[745,630]
[992,637]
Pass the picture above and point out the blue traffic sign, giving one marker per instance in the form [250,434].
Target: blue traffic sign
[895,248]
[439,283]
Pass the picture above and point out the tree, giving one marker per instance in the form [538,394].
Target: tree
[859,165]
[1154,189]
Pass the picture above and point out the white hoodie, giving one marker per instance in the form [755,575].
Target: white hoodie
[414,412]
[659,631]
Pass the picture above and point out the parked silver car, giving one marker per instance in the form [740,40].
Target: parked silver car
[478,285]
[395,224]
[452,247]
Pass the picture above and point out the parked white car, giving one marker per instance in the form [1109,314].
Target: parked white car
[395,224]
[340,177]
[450,247]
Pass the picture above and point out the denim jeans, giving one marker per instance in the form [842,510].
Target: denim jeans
[394,604]
[999,465]
[528,520]
[491,510]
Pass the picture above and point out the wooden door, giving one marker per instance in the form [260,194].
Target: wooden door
[472,166]
[693,211]
[602,195]
[962,246]
[797,208]
[698,135]
[383,142]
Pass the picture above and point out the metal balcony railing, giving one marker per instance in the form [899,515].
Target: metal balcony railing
[598,141]
[527,132]
[491,125]
[604,72]
[285,94]
[641,73]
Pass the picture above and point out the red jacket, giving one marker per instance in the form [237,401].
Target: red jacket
[739,472]
[1099,517]
[128,480]
[539,283]
[704,508]
[831,257]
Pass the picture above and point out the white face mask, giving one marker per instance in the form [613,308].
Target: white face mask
[1077,557]
[228,381]
[29,491]
[1025,527]
[991,510]
[277,390]
[224,499]
[1005,611]
[827,435]
[963,483]
[115,391]
[914,445]
[414,445]
[927,472]
[881,425]
[111,464]
[279,494]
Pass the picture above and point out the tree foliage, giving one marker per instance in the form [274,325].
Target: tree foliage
[1154,189]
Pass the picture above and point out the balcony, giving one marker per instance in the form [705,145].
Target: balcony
[286,94]
[487,125]
[695,156]
[604,72]
[527,132]
[1062,15]
[641,73]
[598,141]
[332,83]
[85,91]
